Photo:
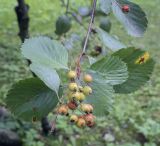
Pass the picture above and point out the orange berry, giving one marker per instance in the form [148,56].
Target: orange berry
[87,78]
[63,110]
[81,122]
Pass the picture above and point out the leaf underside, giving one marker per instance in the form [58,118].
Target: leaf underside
[134,21]
[46,52]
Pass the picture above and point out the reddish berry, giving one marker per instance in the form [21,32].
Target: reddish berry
[72,105]
[125,8]
[89,118]
[90,124]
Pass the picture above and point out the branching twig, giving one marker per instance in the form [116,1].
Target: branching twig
[86,38]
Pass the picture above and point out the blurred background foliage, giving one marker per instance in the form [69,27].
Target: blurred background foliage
[135,120]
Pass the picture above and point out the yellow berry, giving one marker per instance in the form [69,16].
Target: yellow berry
[73,86]
[81,97]
[63,110]
[88,78]
[76,95]
[72,74]
[87,90]
[74,118]
[81,122]
[87,108]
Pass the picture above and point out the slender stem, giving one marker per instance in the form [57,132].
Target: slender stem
[86,38]
[90,26]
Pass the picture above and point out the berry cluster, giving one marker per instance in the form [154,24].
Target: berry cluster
[79,113]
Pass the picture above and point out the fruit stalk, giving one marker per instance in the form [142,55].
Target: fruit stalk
[87,36]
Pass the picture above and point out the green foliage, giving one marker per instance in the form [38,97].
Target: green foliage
[48,75]
[102,98]
[47,52]
[109,41]
[105,24]
[110,70]
[105,6]
[30,98]
[106,72]
[135,21]
[139,73]
[13,68]
[31,139]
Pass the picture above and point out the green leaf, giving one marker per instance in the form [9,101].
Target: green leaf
[112,69]
[109,41]
[139,74]
[105,24]
[91,59]
[30,98]
[101,98]
[134,21]
[105,6]
[46,52]
[48,75]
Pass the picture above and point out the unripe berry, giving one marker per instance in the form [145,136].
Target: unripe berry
[63,110]
[72,74]
[72,105]
[73,86]
[81,122]
[87,90]
[87,108]
[81,97]
[73,118]
[76,95]
[88,78]
[125,8]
